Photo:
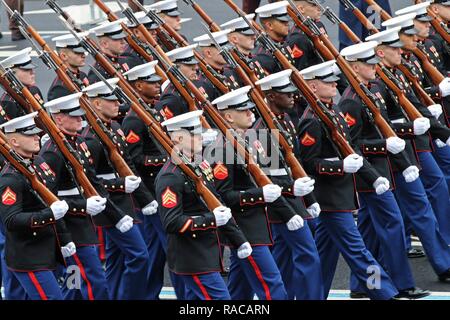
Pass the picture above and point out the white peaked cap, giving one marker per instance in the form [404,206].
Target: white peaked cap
[187,121]
[221,38]
[237,99]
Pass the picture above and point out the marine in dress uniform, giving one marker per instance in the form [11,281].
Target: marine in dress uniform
[294,249]
[432,176]
[441,9]
[132,57]
[213,58]
[259,273]
[36,237]
[148,159]
[112,43]
[67,114]
[409,190]
[74,56]
[169,12]
[172,103]
[194,251]
[23,68]
[127,259]
[378,207]
[335,189]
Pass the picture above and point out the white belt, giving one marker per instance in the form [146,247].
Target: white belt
[107,176]
[332,159]
[401,120]
[275,172]
[69,192]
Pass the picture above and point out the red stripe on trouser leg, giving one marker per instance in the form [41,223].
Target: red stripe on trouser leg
[202,287]
[84,276]
[101,246]
[260,277]
[37,286]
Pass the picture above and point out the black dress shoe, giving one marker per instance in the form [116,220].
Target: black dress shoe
[413,293]
[444,277]
[416,253]
[16,36]
[1,35]
[358,295]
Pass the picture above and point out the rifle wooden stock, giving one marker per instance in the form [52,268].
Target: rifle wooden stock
[301,84]
[36,184]
[116,159]
[19,99]
[61,142]
[434,74]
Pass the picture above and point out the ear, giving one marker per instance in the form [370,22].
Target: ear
[355,67]
[233,39]
[380,53]
[313,86]
[136,32]
[138,85]
[270,96]
[207,52]
[228,117]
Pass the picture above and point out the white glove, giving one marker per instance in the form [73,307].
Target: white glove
[222,215]
[68,250]
[95,205]
[395,145]
[439,143]
[435,110]
[411,174]
[125,224]
[150,209]
[132,183]
[295,223]
[448,142]
[244,250]
[381,185]
[444,87]
[421,125]
[209,136]
[271,192]
[59,209]
[303,186]
[314,210]
[253,118]
[352,163]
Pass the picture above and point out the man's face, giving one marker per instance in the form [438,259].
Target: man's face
[188,143]
[325,90]
[366,71]
[310,10]
[69,124]
[150,90]
[443,11]
[189,70]
[108,108]
[174,22]
[391,56]
[241,119]
[115,47]
[283,101]
[26,76]
[244,42]
[423,28]
[26,146]
[214,56]
[76,60]
[280,28]
[410,41]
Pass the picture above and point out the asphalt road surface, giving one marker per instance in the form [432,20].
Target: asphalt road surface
[47,23]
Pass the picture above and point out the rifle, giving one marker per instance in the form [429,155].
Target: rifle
[328,51]
[319,108]
[439,25]
[434,74]
[57,136]
[53,61]
[403,67]
[27,170]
